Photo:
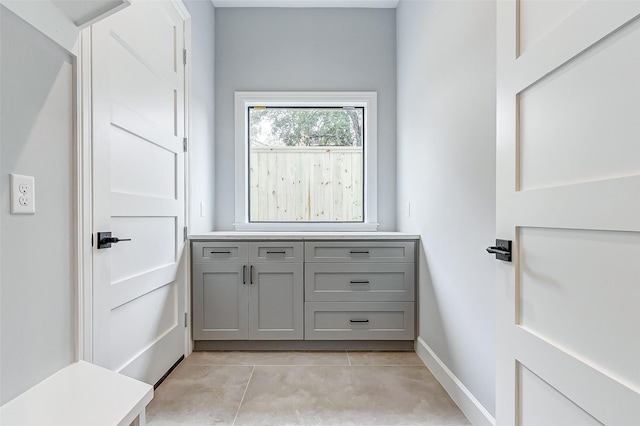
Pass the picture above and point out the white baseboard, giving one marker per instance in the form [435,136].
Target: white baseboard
[470,406]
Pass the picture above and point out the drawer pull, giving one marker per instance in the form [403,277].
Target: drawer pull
[244,274]
[359,281]
[360,252]
[358,320]
[276,252]
[251,274]
[220,252]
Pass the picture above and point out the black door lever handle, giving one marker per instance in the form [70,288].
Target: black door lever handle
[498,250]
[105,240]
[114,240]
[502,250]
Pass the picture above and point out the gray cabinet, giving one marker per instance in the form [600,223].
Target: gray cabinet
[294,290]
[359,290]
[247,290]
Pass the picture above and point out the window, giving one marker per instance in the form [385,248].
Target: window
[305,161]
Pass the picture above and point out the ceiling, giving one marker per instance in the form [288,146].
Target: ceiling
[306,3]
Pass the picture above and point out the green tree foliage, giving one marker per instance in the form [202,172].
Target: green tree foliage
[306,126]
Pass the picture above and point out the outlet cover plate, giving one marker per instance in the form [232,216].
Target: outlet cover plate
[23,194]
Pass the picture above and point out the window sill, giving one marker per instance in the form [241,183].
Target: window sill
[307,227]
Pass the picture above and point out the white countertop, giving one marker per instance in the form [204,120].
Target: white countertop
[304,236]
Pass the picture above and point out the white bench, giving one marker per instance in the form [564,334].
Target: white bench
[80,394]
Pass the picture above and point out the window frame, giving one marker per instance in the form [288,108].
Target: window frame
[244,100]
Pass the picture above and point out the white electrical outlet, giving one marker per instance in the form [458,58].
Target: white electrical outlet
[23,194]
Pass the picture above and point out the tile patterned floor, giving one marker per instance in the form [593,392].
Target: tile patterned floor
[302,388]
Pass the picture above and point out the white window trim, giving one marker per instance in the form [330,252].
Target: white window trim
[243,100]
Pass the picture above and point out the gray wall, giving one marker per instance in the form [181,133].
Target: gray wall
[36,293]
[201,115]
[305,49]
[446,171]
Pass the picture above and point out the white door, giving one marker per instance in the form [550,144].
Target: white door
[138,189]
[568,195]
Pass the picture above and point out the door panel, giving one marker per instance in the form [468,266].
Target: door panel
[138,189]
[126,150]
[142,334]
[537,18]
[541,404]
[564,116]
[152,246]
[570,303]
[568,179]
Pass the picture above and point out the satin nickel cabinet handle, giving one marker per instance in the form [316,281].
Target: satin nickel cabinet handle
[359,321]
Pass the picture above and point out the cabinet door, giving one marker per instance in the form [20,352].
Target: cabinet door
[220,301]
[276,301]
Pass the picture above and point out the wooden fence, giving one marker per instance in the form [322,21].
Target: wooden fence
[314,184]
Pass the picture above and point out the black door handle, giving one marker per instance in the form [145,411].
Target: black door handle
[498,250]
[105,240]
[502,250]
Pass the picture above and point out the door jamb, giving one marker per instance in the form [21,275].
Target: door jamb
[84,230]
[186,254]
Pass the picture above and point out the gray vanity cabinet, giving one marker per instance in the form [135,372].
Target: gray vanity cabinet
[247,290]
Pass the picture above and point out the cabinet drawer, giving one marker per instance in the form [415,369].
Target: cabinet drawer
[359,321]
[358,282]
[360,251]
[276,252]
[219,251]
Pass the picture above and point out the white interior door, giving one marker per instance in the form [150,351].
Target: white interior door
[568,189]
[138,189]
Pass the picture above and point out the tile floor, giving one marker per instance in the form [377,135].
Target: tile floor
[302,388]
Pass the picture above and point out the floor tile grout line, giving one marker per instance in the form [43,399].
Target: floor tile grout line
[243,395]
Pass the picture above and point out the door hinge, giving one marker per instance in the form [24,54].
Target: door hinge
[184,57]
[185,233]
[186,319]
[185,144]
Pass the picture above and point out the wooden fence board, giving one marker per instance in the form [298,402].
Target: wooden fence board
[290,184]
